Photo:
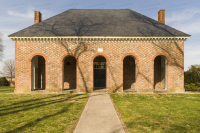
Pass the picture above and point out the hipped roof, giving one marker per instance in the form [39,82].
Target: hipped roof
[99,22]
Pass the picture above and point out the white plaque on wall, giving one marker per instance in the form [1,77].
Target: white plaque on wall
[100,49]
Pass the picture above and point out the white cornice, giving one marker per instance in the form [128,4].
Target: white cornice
[98,39]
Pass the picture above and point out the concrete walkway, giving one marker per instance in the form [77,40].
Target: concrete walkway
[99,116]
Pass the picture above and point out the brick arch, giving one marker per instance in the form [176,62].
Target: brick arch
[158,54]
[61,70]
[46,72]
[69,54]
[168,68]
[100,54]
[107,69]
[38,54]
[130,54]
[137,65]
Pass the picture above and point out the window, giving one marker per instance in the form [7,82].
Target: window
[99,65]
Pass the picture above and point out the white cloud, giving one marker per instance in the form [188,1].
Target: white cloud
[182,15]
[28,14]
[192,28]
[186,21]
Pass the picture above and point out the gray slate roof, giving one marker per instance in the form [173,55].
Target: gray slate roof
[99,22]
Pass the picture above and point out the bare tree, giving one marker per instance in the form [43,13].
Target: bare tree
[1,47]
[9,69]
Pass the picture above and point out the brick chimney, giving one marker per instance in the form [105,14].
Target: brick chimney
[161,16]
[38,17]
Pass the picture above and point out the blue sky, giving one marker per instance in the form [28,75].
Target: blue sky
[183,15]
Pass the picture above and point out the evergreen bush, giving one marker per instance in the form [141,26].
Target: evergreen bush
[3,81]
[192,79]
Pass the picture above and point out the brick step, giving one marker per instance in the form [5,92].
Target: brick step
[38,91]
[160,91]
[69,91]
[100,90]
[130,91]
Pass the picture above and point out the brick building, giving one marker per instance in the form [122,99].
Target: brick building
[82,50]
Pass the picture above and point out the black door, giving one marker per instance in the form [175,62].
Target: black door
[99,78]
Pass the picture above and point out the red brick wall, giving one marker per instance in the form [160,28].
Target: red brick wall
[16,68]
[114,53]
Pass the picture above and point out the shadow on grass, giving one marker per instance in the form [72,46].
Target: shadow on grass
[35,122]
[27,101]
[35,104]
[28,105]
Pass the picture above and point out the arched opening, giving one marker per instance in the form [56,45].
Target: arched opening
[99,72]
[129,73]
[69,73]
[160,72]
[38,77]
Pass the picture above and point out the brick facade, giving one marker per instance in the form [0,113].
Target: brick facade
[135,55]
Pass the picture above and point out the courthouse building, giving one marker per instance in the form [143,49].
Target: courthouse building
[84,50]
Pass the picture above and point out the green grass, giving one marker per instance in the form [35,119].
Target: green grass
[40,112]
[178,113]
[7,89]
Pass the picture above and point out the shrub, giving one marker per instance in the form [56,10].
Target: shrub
[3,81]
[192,87]
[192,78]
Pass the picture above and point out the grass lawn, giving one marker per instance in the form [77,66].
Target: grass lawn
[40,112]
[7,89]
[159,112]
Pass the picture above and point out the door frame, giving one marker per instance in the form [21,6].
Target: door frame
[105,77]
[107,70]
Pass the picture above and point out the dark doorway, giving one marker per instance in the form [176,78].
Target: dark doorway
[38,73]
[129,73]
[99,76]
[69,73]
[160,72]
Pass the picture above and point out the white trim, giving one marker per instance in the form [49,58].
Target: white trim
[98,39]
